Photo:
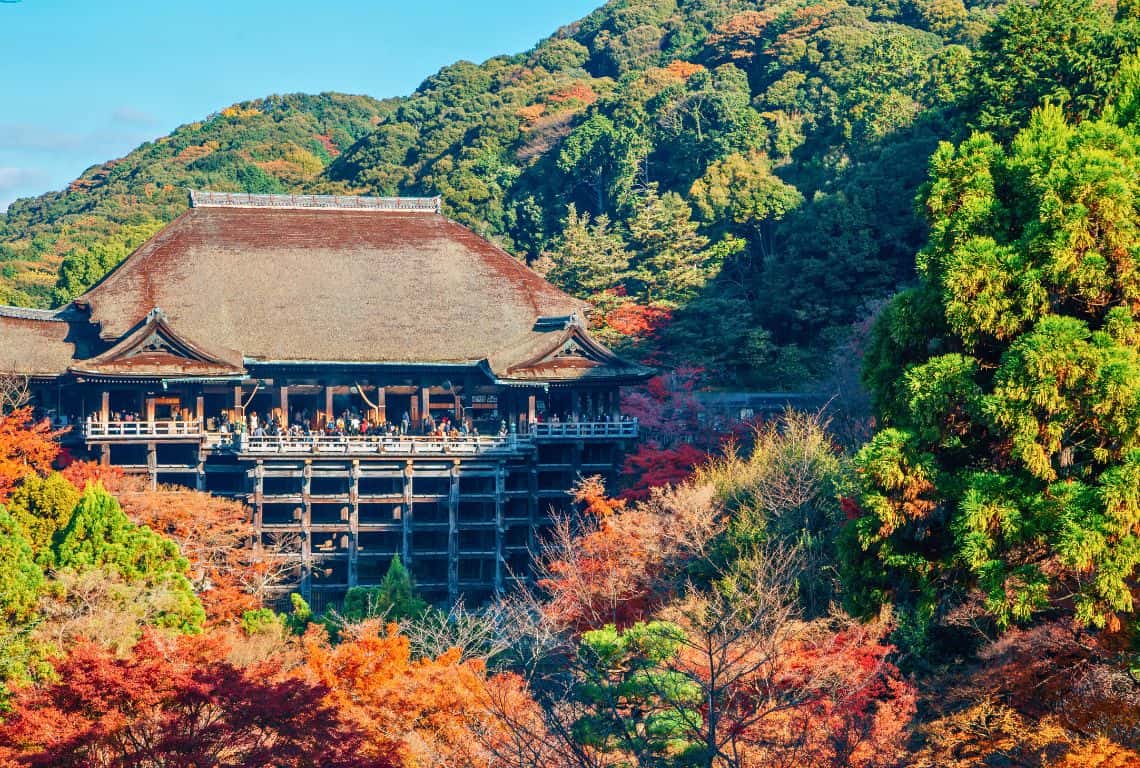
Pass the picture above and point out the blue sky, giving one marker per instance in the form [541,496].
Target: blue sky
[85,81]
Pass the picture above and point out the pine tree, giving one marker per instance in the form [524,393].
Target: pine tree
[672,261]
[589,257]
[20,578]
[99,535]
[394,599]
[42,506]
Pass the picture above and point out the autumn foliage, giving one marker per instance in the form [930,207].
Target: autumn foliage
[26,445]
[175,703]
[214,534]
[859,709]
[419,711]
[617,567]
[80,473]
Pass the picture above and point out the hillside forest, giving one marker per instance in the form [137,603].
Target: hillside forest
[934,204]
[732,184]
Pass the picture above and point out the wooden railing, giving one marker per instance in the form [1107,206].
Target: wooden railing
[419,445]
[584,429]
[129,430]
[357,444]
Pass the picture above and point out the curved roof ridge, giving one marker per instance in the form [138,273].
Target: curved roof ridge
[30,313]
[209,199]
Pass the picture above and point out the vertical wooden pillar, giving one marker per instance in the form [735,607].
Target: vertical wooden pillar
[105,407]
[258,502]
[307,532]
[353,523]
[284,397]
[453,536]
[425,393]
[328,404]
[406,517]
[458,409]
[150,409]
[152,463]
[200,410]
[200,469]
[532,510]
[500,529]
[531,409]
[239,404]
[381,406]
[415,413]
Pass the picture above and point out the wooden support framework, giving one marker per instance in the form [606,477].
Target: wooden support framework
[500,529]
[486,501]
[453,535]
[307,531]
[406,517]
[354,524]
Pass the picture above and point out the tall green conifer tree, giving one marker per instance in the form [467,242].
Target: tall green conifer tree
[1008,381]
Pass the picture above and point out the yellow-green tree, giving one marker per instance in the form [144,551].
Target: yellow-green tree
[1008,381]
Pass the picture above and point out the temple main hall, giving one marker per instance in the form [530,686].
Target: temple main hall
[371,377]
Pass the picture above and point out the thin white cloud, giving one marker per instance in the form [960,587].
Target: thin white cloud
[132,116]
[30,136]
[17,181]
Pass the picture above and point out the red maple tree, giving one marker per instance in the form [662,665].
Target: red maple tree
[175,703]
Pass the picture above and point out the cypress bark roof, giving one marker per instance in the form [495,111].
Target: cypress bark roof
[34,343]
[319,279]
[154,349]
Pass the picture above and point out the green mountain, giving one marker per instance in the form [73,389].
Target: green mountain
[55,245]
[731,182]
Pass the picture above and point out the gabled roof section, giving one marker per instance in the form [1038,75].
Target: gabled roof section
[154,349]
[562,349]
[40,342]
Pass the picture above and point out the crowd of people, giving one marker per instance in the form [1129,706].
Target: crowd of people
[603,417]
[303,424]
[352,422]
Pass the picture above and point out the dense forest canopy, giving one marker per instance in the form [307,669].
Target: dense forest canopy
[731,183]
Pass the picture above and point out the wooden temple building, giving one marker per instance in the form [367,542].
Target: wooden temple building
[371,377]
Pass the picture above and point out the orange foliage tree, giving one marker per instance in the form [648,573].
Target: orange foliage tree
[25,446]
[216,536]
[853,707]
[615,565]
[80,473]
[424,711]
[175,703]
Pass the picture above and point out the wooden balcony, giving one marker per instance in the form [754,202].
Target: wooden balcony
[133,431]
[94,431]
[378,445]
[585,430]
